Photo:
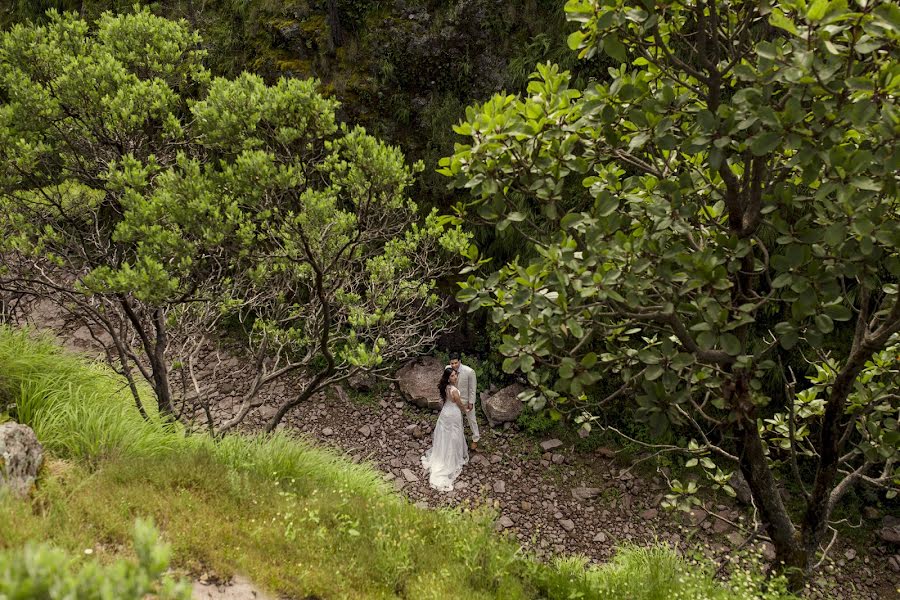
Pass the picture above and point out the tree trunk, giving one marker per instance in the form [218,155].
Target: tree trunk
[160,368]
[791,555]
[307,392]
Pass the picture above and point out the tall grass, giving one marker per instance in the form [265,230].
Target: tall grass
[78,409]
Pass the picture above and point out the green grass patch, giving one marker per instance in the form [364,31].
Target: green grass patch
[298,520]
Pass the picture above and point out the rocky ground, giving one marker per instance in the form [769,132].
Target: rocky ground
[545,494]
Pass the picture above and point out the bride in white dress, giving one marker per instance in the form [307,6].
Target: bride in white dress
[448,452]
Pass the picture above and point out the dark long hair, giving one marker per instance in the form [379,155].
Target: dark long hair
[445,381]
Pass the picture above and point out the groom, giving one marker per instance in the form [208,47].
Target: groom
[467,389]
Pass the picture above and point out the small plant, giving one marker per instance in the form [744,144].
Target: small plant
[44,572]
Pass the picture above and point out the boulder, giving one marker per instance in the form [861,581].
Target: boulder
[504,406]
[418,382]
[890,530]
[21,456]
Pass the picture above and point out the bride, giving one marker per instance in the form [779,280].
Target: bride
[448,452]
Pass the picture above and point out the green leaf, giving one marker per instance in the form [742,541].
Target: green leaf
[817,10]
[765,142]
[731,344]
[614,48]
[824,323]
[653,372]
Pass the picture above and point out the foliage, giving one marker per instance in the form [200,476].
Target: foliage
[40,572]
[727,194]
[245,504]
[154,201]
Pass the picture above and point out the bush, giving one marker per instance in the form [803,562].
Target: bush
[43,572]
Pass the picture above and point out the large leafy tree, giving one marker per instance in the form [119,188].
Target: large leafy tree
[155,202]
[720,205]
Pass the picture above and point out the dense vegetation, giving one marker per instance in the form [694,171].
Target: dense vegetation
[687,235]
[712,212]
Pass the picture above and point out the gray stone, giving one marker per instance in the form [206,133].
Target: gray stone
[495,458]
[894,563]
[741,488]
[606,452]
[720,526]
[505,522]
[585,493]
[735,538]
[600,537]
[365,430]
[418,381]
[362,381]
[548,445]
[409,476]
[696,516]
[850,554]
[870,512]
[567,524]
[21,456]
[890,534]
[649,514]
[768,551]
[328,431]
[558,459]
[504,406]
[526,505]
[499,487]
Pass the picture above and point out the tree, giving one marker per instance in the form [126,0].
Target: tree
[724,202]
[158,204]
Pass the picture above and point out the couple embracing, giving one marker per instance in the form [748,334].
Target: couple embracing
[448,453]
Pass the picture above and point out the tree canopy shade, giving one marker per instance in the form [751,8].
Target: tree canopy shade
[156,202]
[724,200]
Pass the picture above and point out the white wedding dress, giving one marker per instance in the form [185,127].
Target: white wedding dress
[448,453]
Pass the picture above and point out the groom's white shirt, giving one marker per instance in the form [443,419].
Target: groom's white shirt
[467,385]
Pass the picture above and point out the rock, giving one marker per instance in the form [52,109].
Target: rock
[600,537]
[409,476]
[526,506]
[850,554]
[504,406]
[585,493]
[362,381]
[696,516]
[558,459]
[870,512]
[21,456]
[418,381]
[735,538]
[768,551]
[418,433]
[499,487]
[606,452]
[720,526]
[894,563]
[328,431]
[495,458]
[889,534]
[548,445]
[567,524]
[505,522]
[741,488]
[649,514]
[365,430]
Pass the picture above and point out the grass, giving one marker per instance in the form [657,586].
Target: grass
[297,520]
